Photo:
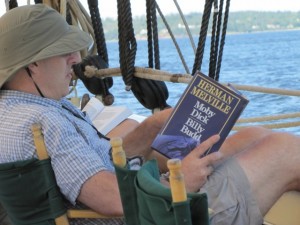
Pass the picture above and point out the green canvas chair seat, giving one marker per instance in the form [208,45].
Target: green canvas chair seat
[29,193]
[148,202]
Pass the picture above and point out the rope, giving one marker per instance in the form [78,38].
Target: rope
[173,39]
[106,83]
[272,126]
[214,41]
[202,36]
[217,45]
[222,43]
[152,34]
[141,72]
[127,42]
[10,4]
[98,29]
[185,25]
[216,48]
[148,73]
[81,18]
[149,9]
[270,118]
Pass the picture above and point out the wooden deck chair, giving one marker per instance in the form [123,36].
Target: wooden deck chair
[29,193]
[148,202]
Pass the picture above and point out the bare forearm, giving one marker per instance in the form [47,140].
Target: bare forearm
[101,193]
[138,141]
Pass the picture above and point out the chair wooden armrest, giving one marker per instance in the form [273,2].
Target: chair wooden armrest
[85,213]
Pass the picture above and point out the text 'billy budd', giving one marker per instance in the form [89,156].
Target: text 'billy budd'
[202,113]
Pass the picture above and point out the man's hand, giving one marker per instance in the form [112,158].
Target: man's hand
[197,169]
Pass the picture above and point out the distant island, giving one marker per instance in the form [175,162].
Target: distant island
[239,22]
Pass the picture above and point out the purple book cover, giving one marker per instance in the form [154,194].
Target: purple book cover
[205,108]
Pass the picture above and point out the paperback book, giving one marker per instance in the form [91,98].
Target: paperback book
[105,118]
[205,108]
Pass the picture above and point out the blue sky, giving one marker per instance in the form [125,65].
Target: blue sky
[108,7]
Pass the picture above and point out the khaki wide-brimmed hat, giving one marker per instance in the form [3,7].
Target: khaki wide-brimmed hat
[34,32]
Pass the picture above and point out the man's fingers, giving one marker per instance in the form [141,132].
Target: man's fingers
[204,146]
[210,170]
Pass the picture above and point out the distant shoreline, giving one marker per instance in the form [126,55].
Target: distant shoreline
[228,33]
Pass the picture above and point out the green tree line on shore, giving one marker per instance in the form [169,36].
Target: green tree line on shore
[238,22]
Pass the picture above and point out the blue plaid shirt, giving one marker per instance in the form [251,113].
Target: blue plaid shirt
[76,151]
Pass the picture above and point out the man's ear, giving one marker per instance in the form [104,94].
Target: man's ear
[32,66]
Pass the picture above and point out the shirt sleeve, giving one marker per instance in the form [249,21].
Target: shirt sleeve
[76,151]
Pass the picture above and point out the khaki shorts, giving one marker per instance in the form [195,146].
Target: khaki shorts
[230,198]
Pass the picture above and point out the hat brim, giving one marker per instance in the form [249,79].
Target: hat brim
[72,41]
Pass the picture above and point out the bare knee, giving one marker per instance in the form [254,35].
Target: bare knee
[286,147]
[257,131]
[284,143]
[243,139]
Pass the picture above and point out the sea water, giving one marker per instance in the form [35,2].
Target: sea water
[266,59]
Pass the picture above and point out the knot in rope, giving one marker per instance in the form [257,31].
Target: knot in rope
[96,86]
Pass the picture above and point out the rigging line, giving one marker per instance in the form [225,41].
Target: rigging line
[202,36]
[222,43]
[217,41]
[186,26]
[213,42]
[80,13]
[149,33]
[155,36]
[98,30]
[272,126]
[153,74]
[173,39]
[269,118]
[79,21]
[127,42]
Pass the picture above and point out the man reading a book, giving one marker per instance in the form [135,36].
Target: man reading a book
[37,51]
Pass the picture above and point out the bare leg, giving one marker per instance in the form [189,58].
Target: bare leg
[242,140]
[272,165]
[123,128]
